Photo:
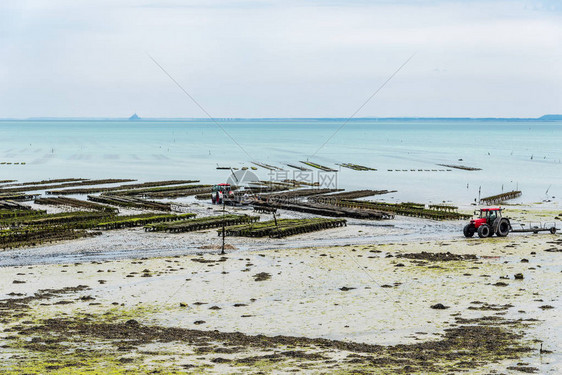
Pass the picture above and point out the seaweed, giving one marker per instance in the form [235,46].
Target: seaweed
[32,236]
[30,230]
[75,203]
[167,191]
[300,193]
[130,202]
[18,197]
[331,198]
[120,187]
[13,206]
[318,166]
[64,218]
[7,214]
[301,183]
[356,167]
[44,182]
[119,222]
[200,223]
[463,167]
[405,209]
[331,210]
[68,184]
[443,207]
[461,348]
[267,166]
[298,167]
[283,227]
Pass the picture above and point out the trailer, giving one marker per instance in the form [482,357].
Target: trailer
[534,228]
[490,221]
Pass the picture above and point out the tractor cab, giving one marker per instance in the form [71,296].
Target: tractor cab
[224,188]
[486,216]
[221,191]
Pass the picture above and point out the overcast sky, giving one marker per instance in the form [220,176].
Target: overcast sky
[280,58]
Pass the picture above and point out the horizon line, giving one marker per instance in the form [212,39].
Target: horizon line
[547,117]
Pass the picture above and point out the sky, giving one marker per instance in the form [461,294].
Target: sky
[280,58]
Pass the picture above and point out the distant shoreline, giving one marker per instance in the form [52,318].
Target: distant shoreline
[545,118]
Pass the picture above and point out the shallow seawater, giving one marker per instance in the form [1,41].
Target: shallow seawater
[521,155]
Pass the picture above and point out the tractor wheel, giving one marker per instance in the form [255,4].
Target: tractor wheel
[502,229]
[469,230]
[484,231]
[213,199]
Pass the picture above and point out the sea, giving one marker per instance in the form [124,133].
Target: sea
[512,154]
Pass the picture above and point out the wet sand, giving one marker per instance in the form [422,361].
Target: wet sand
[403,306]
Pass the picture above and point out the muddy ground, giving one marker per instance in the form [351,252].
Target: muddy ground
[482,306]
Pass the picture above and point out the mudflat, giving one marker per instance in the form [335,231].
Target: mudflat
[435,306]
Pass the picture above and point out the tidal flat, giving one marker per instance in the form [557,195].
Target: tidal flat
[436,306]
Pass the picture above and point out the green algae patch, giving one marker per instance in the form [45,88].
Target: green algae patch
[105,343]
[72,364]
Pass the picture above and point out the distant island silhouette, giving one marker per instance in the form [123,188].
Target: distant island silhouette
[134,117]
[551,117]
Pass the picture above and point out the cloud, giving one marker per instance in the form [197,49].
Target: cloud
[279,58]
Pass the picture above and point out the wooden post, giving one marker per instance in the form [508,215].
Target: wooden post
[223,209]
[275,219]
[479,191]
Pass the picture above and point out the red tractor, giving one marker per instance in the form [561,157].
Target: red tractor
[221,193]
[490,221]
